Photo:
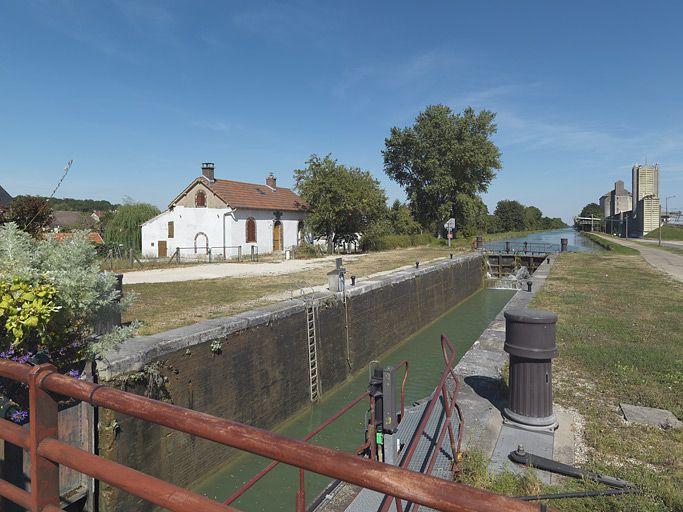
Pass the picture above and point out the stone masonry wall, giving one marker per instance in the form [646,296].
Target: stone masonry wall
[252,367]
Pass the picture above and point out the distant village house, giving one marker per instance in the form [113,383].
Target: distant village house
[226,217]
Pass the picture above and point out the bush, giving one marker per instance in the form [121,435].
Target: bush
[305,251]
[52,296]
[378,240]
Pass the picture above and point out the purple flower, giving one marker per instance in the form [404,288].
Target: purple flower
[74,373]
[19,415]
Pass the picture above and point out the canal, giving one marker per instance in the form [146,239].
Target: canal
[463,324]
[577,242]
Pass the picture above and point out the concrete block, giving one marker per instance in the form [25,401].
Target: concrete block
[650,416]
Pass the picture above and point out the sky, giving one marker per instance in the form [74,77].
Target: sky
[140,93]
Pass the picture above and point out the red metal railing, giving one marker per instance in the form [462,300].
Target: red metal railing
[301,493]
[47,453]
[448,399]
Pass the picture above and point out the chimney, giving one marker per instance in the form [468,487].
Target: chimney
[271,180]
[207,171]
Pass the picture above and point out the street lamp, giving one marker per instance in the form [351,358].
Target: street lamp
[666,202]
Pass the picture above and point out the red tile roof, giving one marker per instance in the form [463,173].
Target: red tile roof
[261,197]
[93,236]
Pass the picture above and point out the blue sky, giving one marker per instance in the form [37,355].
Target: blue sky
[140,93]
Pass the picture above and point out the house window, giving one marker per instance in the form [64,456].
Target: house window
[200,199]
[171,229]
[251,230]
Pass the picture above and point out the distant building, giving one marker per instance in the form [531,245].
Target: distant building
[646,208]
[64,220]
[606,204]
[5,199]
[225,217]
[621,200]
[645,181]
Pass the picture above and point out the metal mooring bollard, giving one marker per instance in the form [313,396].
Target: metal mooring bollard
[530,341]
[564,243]
[528,286]
[451,255]
[353,280]
[417,264]
[507,246]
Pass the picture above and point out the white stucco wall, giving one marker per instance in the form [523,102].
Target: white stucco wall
[222,227]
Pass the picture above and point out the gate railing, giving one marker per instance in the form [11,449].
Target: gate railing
[45,385]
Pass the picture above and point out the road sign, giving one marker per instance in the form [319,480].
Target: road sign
[450,224]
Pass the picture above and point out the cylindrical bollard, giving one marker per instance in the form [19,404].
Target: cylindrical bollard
[563,244]
[507,246]
[353,280]
[530,341]
[528,286]
[451,255]
[417,264]
[526,246]
[479,242]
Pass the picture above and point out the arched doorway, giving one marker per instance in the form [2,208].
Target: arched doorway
[277,236]
[201,243]
[300,235]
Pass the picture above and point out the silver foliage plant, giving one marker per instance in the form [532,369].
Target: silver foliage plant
[70,265]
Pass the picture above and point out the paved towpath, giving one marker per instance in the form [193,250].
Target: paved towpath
[668,262]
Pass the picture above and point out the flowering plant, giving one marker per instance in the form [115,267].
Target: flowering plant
[52,298]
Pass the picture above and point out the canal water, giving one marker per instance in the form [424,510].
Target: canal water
[577,242]
[463,324]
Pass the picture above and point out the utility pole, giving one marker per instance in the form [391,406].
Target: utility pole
[660,225]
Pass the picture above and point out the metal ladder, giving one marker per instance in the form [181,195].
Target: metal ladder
[312,352]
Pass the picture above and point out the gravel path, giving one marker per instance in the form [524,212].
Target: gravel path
[219,270]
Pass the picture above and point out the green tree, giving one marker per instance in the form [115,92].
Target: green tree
[552,223]
[591,209]
[441,155]
[124,228]
[533,218]
[401,221]
[31,213]
[343,201]
[470,215]
[510,215]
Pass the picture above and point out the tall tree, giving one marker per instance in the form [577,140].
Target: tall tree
[591,209]
[533,218]
[124,228]
[510,215]
[343,201]
[401,221]
[441,155]
[470,215]
[31,213]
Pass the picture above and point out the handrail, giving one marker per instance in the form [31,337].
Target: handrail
[440,393]
[252,481]
[47,452]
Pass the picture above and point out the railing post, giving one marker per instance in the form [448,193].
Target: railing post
[42,424]
[301,493]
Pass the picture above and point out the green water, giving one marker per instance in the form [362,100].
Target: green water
[463,324]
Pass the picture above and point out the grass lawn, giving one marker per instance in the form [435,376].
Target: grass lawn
[620,338]
[669,232]
[609,245]
[164,306]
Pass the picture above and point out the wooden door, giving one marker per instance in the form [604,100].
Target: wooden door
[277,236]
[162,248]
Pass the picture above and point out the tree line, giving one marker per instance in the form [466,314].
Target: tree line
[443,162]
